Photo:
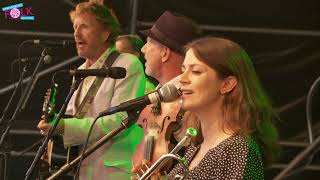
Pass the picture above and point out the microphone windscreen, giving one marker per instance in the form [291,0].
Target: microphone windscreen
[176,82]
[168,93]
[118,72]
[47,59]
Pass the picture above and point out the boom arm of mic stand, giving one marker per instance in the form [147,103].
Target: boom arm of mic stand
[299,158]
[125,124]
[41,149]
[5,112]
[313,144]
[5,149]
[24,97]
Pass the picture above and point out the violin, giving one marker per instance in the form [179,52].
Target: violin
[161,131]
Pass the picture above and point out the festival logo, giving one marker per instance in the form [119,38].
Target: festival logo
[18,12]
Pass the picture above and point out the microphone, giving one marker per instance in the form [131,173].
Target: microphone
[47,59]
[167,93]
[185,141]
[57,43]
[112,72]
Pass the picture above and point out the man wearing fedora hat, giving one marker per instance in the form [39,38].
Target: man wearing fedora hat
[164,48]
[164,56]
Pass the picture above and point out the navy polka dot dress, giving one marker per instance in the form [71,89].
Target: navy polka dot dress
[237,157]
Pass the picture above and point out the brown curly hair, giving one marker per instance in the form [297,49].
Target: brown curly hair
[103,15]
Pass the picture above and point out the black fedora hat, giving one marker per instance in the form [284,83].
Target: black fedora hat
[173,30]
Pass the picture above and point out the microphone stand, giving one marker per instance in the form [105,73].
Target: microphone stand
[299,158]
[133,115]
[313,146]
[5,112]
[5,149]
[22,102]
[25,95]
[42,148]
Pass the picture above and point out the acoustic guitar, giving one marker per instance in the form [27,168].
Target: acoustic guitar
[48,110]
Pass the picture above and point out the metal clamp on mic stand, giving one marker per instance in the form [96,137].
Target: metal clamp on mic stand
[42,148]
[133,115]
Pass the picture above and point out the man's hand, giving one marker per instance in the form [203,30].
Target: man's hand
[44,127]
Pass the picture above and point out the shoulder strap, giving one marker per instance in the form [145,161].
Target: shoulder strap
[88,99]
[111,58]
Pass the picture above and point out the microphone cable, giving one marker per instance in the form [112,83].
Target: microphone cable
[85,147]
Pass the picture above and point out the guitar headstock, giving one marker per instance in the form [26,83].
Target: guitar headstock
[48,107]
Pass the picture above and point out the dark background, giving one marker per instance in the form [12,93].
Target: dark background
[282,38]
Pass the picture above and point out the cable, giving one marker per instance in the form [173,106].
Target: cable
[311,93]
[309,107]
[312,148]
[19,59]
[84,148]
[22,152]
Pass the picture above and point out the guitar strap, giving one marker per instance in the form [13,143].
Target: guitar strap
[88,99]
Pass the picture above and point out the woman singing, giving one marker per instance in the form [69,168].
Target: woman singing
[220,85]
